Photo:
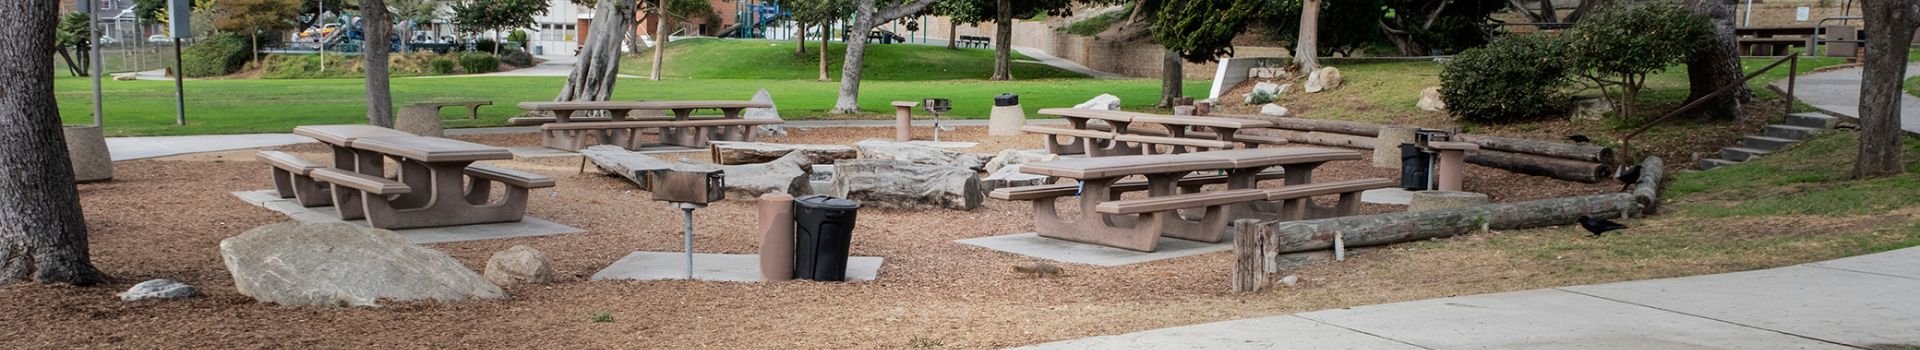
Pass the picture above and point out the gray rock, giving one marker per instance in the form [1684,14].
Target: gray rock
[1431,101]
[344,265]
[1016,156]
[161,289]
[1106,102]
[766,113]
[1273,110]
[882,183]
[1010,176]
[918,153]
[1290,280]
[1327,78]
[520,264]
[1592,108]
[1266,87]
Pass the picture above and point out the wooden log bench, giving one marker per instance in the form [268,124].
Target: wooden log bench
[293,178]
[629,134]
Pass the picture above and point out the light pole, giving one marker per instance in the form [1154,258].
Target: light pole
[94,62]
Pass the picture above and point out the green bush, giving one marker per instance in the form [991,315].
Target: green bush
[479,62]
[308,67]
[518,39]
[1621,45]
[217,55]
[1515,77]
[485,45]
[517,58]
[440,66]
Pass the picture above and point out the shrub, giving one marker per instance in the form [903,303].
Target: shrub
[1258,97]
[1512,78]
[440,66]
[308,67]
[485,45]
[1621,45]
[217,55]
[517,58]
[518,38]
[479,62]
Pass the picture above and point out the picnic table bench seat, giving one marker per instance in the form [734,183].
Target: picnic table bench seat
[1175,145]
[1296,201]
[1061,190]
[628,134]
[360,182]
[1180,201]
[1247,141]
[433,107]
[509,177]
[293,178]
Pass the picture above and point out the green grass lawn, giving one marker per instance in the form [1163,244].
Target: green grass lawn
[768,59]
[258,106]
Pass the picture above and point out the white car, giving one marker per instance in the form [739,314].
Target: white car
[159,39]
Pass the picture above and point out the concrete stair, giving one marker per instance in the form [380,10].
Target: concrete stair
[1796,128]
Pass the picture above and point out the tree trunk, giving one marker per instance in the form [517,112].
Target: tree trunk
[599,65]
[1317,138]
[72,69]
[800,39]
[731,152]
[634,44]
[43,232]
[1003,41]
[866,16]
[1269,239]
[1170,76]
[256,47]
[823,52]
[660,39]
[379,95]
[953,33]
[1889,29]
[1717,64]
[1538,165]
[1306,51]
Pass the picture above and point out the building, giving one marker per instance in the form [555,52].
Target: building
[558,32]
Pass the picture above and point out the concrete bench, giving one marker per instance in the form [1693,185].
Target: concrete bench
[293,178]
[1296,201]
[1246,141]
[1164,211]
[628,134]
[480,187]
[1190,183]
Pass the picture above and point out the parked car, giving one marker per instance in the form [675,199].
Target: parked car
[159,39]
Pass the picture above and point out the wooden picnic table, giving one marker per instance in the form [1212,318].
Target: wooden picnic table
[1106,221]
[438,185]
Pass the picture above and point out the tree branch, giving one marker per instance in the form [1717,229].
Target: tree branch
[1436,13]
[1522,8]
[884,16]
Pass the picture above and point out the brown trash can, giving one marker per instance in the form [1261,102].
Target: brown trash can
[776,237]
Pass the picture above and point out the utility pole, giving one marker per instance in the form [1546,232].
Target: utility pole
[94,62]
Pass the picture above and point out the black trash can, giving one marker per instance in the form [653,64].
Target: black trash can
[823,228]
[1415,167]
[1006,99]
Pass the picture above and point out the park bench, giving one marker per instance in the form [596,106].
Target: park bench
[1190,183]
[975,40]
[293,178]
[1770,46]
[682,130]
[433,107]
[1296,201]
[438,184]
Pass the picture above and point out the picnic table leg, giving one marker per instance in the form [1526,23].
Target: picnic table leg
[1226,135]
[678,136]
[1140,233]
[454,202]
[616,137]
[348,201]
[1115,147]
[415,175]
[473,111]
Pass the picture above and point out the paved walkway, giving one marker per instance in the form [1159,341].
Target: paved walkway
[1870,301]
[144,147]
[1838,92]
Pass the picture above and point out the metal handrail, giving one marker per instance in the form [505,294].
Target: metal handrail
[1793,69]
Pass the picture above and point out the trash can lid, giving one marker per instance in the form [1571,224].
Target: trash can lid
[826,202]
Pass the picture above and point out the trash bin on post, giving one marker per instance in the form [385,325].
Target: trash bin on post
[823,231]
[1415,167]
[1007,116]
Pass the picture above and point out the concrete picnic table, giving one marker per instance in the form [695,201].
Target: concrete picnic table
[1125,140]
[439,184]
[564,136]
[682,110]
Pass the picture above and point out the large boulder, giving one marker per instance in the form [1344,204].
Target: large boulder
[1592,108]
[1327,78]
[1010,176]
[737,152]
[342,264]
[1105,102]
[520,264]
[883,183]
[161,289]
[1431,101]
[1017,156]
[770,113]
[922,154]
[1273,110]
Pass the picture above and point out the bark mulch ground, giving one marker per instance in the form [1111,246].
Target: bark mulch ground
[164,218]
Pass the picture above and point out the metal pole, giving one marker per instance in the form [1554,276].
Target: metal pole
[96,64]
[319,12]
[689,210]
[179,85]
[1793,69]
[1748,20]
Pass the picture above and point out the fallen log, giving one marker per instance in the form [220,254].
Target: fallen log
[1537,165]
[1587,153]
[734,152]
[1257,245]
[1646,190]
[1323,125]
[1317,138]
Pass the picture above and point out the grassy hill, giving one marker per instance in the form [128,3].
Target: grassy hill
[707,58]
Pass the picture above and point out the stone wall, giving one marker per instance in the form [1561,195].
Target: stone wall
[1134,58]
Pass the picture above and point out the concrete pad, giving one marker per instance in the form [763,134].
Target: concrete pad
[1853,308]
[526,227]
[1550,319]
[1396,196]
[1277,332]
[713,267]
[1902,263]
[1031,244]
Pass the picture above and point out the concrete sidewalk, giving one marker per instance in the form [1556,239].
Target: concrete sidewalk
[1870,301]
[1838,92]
[144,147]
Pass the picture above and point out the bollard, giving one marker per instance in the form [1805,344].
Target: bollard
[903,120]
[776,237]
